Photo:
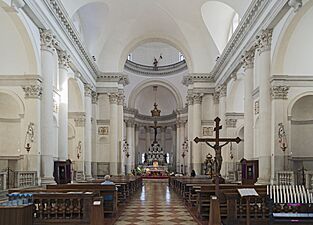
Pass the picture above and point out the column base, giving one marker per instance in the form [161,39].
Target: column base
[47,180]
[114,168]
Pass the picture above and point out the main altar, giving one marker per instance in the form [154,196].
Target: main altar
[156,160]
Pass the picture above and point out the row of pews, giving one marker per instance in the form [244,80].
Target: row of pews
[80,203]
[273,205]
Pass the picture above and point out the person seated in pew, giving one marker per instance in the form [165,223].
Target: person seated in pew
[107,180]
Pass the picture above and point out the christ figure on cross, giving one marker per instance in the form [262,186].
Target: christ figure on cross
[155,127]
[217,146]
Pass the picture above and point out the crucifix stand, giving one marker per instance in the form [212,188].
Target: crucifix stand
[217,162]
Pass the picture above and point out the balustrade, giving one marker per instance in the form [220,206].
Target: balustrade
[285,177]
[25,179]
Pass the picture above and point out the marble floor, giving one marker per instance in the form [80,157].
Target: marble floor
[156,204]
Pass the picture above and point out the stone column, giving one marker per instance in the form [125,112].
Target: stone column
[120,108]
[162,130]
[223,131]
[136,150]
[263,70]
[113,134]
[279,95]
[63,110]
[48,70]
[196,148]
[231,147]
[189,156]
[31,123]
[174,146]
[87,152]
[178,148]
[148,137]
[182,139]
[94,160]
[130,141]
[248,64]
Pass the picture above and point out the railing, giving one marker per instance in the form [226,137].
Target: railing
[25,179]
[3,181]
[308,180]
[285,178]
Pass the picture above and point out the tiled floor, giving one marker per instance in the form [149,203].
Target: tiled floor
[156,204]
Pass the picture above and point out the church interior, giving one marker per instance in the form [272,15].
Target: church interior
[156,112]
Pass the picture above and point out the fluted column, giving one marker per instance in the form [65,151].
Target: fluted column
[87,151]
[223,131]
[178,148]
[263,69]
[113,134]
[196,148]
[189,156]
[248,64]
[31,128]
[182,138]
[120,108]
[94,159]
[48,70]
[63,110]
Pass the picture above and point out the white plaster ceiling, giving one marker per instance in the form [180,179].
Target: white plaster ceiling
[164,98]
[113,28]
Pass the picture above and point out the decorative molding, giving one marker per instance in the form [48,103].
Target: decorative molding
[33,91]
[64,59]
[264,40]
[257,107]
[156,71]
[59,12]
[48,40]
[301,122]
[88,90]
[248,58]
[279,92]
[113,97]
[80,121]
[103,130]
[103,122]
[231,122]
[113,77]
[197,98]
[216,98]
[295,4]
[130,122]
[130,111]
[197,78]
[234,115]
[73,115]
[94,97]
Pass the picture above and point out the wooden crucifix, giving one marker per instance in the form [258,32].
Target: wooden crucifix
[218,149]
[155,127]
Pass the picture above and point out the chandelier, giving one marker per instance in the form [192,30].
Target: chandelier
[155,112]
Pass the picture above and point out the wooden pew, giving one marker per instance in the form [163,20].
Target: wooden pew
[107,192]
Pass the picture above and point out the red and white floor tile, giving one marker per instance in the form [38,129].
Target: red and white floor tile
[156,204]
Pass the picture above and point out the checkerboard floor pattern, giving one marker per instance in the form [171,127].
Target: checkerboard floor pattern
[156,204]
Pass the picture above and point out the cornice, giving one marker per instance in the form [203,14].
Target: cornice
[120,78]
[197,78]
[63,19]
[20,80]
[156,71]
[261,14]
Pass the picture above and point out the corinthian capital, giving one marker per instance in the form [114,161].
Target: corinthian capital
[48,40]
[189,99]
[264,40]
[279,92]
[197,98]
[248,58]
[94,97]
[120,99]
[88,90]
[64,59]
[33,91]
[295,4]
[113,98]
[222,90]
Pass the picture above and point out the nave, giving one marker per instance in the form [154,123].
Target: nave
[155,204]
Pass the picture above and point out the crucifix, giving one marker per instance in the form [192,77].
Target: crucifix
[218,150]
[155,127]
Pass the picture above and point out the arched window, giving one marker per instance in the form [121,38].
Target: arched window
[234,25]
[180,57]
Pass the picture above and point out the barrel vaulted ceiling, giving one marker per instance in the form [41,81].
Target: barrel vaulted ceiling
[111,29]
